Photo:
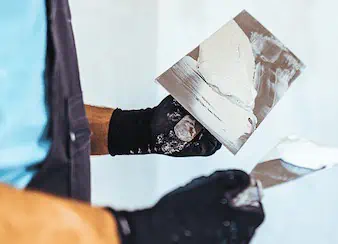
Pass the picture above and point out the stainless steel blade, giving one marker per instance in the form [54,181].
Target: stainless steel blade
[284,163]
[276,172]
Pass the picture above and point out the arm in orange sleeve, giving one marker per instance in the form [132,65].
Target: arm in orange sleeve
[99,118]
[34,217]
[146,131]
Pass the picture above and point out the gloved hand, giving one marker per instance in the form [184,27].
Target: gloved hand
[152,131]
[198,213]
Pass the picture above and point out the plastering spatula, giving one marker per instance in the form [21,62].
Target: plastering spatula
[291,159]
[273,69]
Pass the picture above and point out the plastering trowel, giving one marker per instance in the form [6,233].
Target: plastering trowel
[231,81]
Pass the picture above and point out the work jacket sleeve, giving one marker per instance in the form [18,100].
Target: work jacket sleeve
[34,217]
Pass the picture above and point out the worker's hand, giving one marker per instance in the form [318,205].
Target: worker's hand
[200,212]
[152,131]
[164,140]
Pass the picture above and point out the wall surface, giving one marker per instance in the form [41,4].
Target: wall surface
[116,42]
[124,45]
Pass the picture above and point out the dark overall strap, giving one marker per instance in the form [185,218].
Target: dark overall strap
[66,170]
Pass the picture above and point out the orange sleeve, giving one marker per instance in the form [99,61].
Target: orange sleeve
[34,217]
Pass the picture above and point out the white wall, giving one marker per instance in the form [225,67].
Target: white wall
[116,42]
[124,45]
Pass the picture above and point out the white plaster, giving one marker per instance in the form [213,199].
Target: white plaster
[219,89]
[226,61]
[259,44]
[304,153]
[223,117]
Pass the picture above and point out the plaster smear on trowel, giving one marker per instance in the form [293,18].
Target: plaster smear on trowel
[293,62]
[267,48]
[227,64]
[258,76]
[224,119]
[222,81]
[281,85]
[304,153]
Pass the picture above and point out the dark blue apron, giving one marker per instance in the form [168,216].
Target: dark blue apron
[66,170]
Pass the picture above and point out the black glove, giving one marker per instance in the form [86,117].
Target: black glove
[152,131]
[198,213]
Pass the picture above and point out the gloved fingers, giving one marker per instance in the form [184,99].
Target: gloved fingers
[254,216]
[168,113]
[177,112]
[203,145]
[251,196]
[233,181]
[250,215]
[249,200]
[173,104]
[208,143]
[169,145]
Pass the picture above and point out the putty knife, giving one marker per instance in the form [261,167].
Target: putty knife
[291,159]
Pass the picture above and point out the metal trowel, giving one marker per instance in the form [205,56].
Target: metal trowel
[275,69]
[292,158]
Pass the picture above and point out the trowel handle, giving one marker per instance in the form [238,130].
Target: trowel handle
[187,128]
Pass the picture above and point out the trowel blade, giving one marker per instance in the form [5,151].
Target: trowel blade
[276,172]
[293,158]
[239,105]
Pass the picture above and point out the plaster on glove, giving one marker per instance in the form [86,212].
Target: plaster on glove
[152,131]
